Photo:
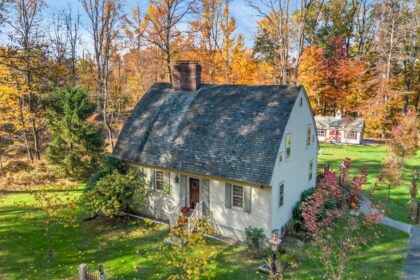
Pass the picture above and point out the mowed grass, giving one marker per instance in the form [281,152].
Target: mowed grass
[373,157]
[382,258]
[131,249]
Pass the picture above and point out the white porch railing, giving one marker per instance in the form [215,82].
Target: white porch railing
[195,216]
[175,212]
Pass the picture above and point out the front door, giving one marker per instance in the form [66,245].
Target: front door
[194,192]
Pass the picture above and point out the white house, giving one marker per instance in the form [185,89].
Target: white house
[243,153]
[336,129]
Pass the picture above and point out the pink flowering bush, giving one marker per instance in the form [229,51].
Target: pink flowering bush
[332,197]
[315,210]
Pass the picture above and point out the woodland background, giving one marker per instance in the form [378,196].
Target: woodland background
[360,57]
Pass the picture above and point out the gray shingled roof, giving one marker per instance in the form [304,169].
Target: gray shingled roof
[347,124]
[228,131]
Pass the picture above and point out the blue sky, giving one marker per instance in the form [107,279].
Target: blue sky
[245,17]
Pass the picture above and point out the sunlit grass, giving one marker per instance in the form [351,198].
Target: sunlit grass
[372,157]
[130,249]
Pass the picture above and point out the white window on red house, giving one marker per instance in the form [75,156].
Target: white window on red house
[321,132]
[351,135]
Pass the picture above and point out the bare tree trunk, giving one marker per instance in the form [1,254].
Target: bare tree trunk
[104,16]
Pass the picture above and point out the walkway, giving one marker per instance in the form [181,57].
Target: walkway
[412,260]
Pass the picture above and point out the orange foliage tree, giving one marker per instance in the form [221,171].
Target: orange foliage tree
[333,81]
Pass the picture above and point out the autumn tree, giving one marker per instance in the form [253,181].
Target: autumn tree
[207,34]
[282,31]
[26,58]
[64,38]
[333,81]
[163,18]
[104,17]
[142,64]
[217,45]
[313,75]
[55,205]
[275,26]
[403,144]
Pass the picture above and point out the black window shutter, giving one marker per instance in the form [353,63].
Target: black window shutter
[228,195]
[247,199]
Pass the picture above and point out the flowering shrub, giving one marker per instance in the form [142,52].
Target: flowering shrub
[355,189]
[331,198]
[297,211]
[321,208]
[185,211]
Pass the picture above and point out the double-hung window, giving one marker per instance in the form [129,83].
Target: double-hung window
[321,132]
[159,180]
[351,135]
[311,167]
[288,145]
[281,194]
[237,196]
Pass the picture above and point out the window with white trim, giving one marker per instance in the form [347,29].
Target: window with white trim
[311,167]
[308,136]
[351,135]
[159,180]
[321,132]
[281,194]
[237,196]
[288,145]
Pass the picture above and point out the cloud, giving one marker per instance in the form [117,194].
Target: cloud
[246,20]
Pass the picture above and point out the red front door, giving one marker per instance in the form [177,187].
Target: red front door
[194,192]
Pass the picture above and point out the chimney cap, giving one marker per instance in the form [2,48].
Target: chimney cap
[187,62]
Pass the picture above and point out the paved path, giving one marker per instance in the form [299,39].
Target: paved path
[412,260]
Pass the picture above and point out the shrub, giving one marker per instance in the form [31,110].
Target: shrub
[255,241]
[107,166]
[114,193]
[297,211]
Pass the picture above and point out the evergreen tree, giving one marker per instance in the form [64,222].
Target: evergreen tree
[75,143]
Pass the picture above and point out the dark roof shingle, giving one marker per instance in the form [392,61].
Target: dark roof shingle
[347,124]
[228,131]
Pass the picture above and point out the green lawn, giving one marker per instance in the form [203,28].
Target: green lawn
[382,259]
[372,157]
[130,249]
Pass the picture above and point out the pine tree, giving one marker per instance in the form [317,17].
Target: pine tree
[75,143]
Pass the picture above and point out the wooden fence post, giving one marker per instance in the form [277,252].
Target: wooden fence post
[82,271]
[102,275]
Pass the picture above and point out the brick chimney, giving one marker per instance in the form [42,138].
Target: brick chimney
[186,75]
